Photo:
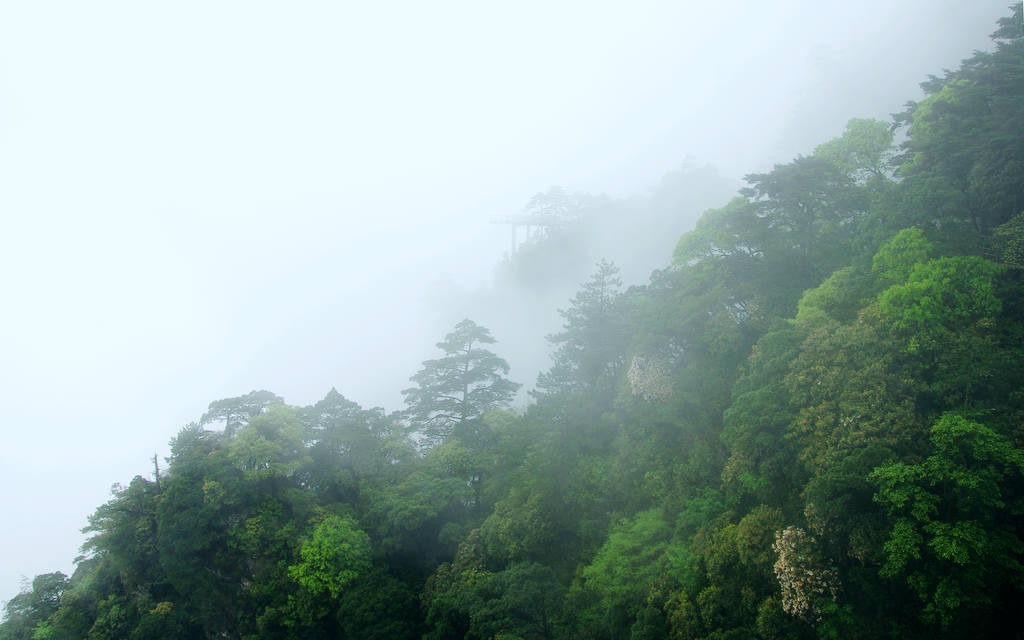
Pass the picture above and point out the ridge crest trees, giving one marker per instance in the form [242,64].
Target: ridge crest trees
[459,387]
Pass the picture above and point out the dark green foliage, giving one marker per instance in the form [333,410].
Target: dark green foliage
[956,529]
[1008,242]
[378,606]
[965,151]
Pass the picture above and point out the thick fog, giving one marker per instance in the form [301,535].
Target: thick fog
[201,199]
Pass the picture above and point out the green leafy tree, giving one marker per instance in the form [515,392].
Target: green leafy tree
[729,237]
[964,152]
[942,296]
[955,536]
[946,312]
[271,445]
[163,621]
[238,411]
[25,612]
[809,209]
[78,603]
[1008,242]
[630,560]
[588,352]
[762,459]
[350,447]
[466,600]
[851,388]
[896,258]
[408,517]
[863,151]
[460,387]
[377,606]
[338,553]
[124,532]
[205,502]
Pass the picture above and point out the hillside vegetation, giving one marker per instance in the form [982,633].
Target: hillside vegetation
[809,425]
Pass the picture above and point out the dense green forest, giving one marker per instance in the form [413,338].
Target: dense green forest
[810,424]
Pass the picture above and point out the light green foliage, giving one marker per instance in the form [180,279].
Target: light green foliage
[896,258]
[946,313]
[955,538]
[237,412]
[863,151]
[272,444]
[948,294]
[337,554]
[698,511]
[838,298]
[455,458]
[631,558]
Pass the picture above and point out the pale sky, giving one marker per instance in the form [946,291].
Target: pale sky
[200,199]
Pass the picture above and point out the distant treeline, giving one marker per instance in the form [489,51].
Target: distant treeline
[809,425]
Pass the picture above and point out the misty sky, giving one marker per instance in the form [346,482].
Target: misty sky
[204,198]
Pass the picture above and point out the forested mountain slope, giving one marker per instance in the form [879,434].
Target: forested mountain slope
[546,267]
[808,425]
